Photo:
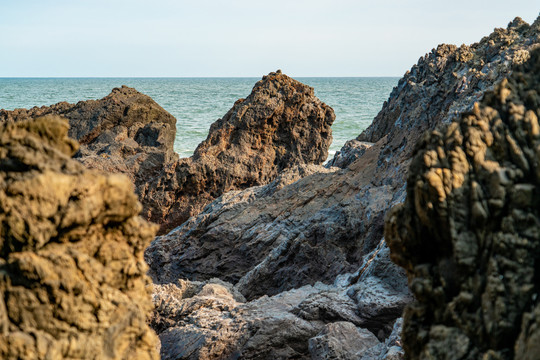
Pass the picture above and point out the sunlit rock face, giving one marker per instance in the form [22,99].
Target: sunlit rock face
[279,125]
[73,281]
[468,233]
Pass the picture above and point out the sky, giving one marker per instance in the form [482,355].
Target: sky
[238,38]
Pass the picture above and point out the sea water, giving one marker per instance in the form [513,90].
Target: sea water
[198,102]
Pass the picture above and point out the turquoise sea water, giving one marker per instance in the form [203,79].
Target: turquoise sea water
[197,102]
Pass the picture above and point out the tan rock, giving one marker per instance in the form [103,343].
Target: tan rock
[73,281]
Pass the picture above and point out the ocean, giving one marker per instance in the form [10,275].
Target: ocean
[198,102]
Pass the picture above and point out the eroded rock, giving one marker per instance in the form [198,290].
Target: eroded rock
[341,340]
[326,226]
[469,232]
[212,322]
[280,124]
[73,280]
[125,132]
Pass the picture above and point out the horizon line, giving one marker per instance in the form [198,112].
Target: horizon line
[187,77]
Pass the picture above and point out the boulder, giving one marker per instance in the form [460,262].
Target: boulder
[280,124]
[468,233]
[125,132]
[341,340]
[206,320]
[73,281]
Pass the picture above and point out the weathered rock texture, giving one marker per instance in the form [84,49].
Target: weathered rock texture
[210,320]
[469,232]
[328,225]
[280,124]
[125,132]
[443,84]
[73,281]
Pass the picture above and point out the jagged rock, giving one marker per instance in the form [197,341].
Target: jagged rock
[73,281]
[326,226]
[211,322]
[349,153]
[389,350]
[280,124]
[468,233]
[443,84]
[341,340]
[125,132]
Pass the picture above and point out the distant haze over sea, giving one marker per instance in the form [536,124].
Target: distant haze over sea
[198,102]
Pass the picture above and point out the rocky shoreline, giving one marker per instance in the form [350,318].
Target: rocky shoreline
[265,253]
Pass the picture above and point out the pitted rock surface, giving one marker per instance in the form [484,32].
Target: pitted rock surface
[279,125]
[73,281]
[468,233]
[125,132]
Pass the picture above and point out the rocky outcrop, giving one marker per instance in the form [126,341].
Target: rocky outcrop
[125,132]
[468,233]
[73,281]
[328,226]
[280,124]
[443,84]
[270,239]
[349,153]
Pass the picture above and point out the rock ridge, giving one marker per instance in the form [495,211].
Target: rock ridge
[468,232]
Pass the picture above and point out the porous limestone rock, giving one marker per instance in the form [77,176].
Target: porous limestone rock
[280,124]
[73,281]
[443,84]
[468,233]
[125,132]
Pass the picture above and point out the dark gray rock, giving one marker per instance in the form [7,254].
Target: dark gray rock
[468,233]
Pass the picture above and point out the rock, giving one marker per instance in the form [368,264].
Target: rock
[73,282]
[341,340]
[391,349]
[125,132]
[326,226]
[280,124]
[468,232]
[211,323]
[349,153]
[443,84]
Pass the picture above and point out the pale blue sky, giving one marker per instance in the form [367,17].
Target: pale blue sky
[127,38]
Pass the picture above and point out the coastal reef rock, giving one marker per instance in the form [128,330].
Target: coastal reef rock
[280,124]
[125,132]
[211,320]
[314,224]
[468,233]
[73,281]
[443,84]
